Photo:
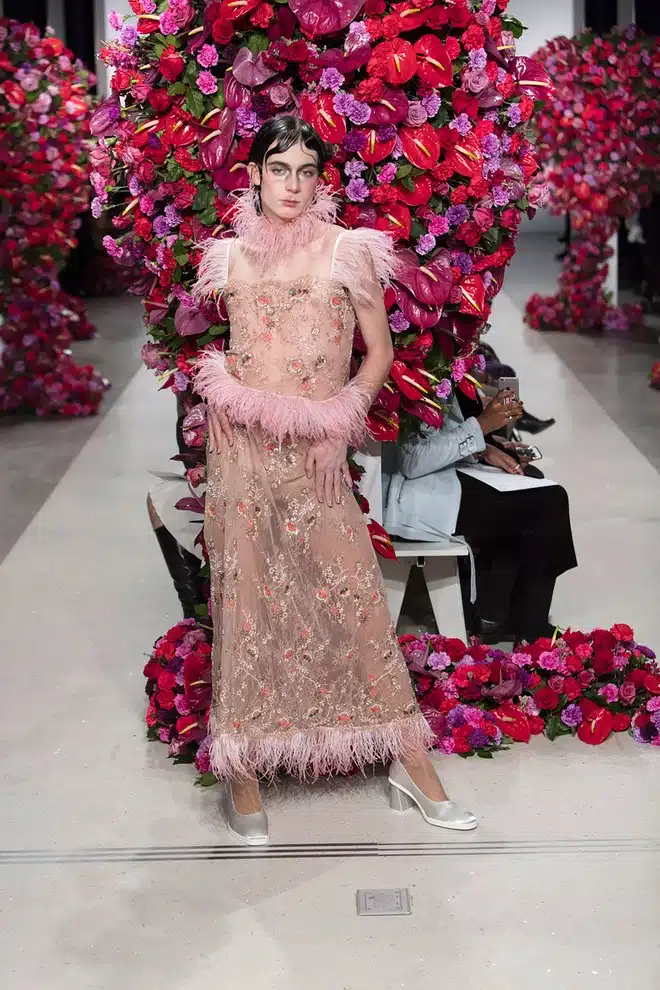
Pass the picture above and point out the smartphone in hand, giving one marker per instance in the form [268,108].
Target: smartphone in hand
[509,385]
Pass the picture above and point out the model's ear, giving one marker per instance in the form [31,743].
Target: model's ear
[255,174]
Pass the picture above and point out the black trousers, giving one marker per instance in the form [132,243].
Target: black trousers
[522,542]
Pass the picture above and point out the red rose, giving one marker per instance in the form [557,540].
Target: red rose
[536,724]
[167,650]
[534,680]
[160,100]
[121,81]
[622,633]
[222,31]
[462,102]
[435,698]
[370,90]
[171,64]
[143,228]
[461,739]
[151,717]
[638,676]
[652,683]
[165,699]
[453,48]
[459,16]
[620,722]
[459,195]
[146,26]
[572,688]
[603,639]
[510,219]
[478,652]
[152,669]
[469,233]
[603,662]
[455,648]
[262,16]
[546,698]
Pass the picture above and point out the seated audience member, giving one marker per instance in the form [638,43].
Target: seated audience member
[522,539]
[494,370]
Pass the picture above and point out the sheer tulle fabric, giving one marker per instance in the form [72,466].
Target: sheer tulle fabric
[307,673]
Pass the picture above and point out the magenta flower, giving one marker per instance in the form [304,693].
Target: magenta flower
[458,370]
[572,716]
[425,244]
[167,23]
[431,104]
[207,83]
[208,56]
[438,226]
[387,173]
[398,322]
[610,693]
[114,250]
[115,20]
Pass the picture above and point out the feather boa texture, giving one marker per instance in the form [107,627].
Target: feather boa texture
[213,268]
[317,752]
[267,241]
[341,417]
[364,261]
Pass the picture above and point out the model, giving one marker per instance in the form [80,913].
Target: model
[308,677]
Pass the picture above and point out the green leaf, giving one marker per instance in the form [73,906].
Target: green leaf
[417,229]
[206,780]
[182,257]
[218,330]
[177,88]
[512,24]
[202,611]
[183,758]
[257,42]
[403,170]
[485,754]
[523,203]
[209,216]
[196,103]
[152,733]
[218,100]
[408,184]
[204,198]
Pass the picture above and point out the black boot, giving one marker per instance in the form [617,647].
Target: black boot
[184,568]
[532,424]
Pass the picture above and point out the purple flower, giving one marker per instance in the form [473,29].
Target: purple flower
[572,716]
[490,145]
[653,704]
[134,185]
[208,56]
[97,208]
[161,226]
[207,83]
[457,215]
[514,115]
[343,103]
[167,23]
[359,113]
[506,142]
[463,261]
[181,382]
[488,279]
[331,79]
[439,661]
[443,389]
[479,738]
[247,121]
[173,216]
[458,370]
[354,168]
[358,34]
[462,124]
[425,244]
[387,173]
[398,322]
[431,104]
[478,58]
[456,718]
[500,195]
[480,362]
[128,35]
[147,205]
[386,132]
[111,246]
[354,141]
[609,692]
[357,190]
[115,20]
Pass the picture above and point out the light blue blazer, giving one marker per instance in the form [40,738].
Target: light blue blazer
[421,491]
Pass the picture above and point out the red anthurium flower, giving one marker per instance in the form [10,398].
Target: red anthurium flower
[323,117]
[180,129]
[232,175]
[374,150]
[380,540]
[171,64]
[533,80]
[318,17]
[428,410]
[473,295]
[412,382]
[620,722]
[431,283]
[416,350]
[433,62]
[596,726]
[214,148]
[467,388]
[419,315]
[231,10]
[390,108]
[331,177]
[421,145]
[235,94]
[394,61]
[419,195]
[383,425]
[512,722]
[467,157]
[250,69]
[396,221]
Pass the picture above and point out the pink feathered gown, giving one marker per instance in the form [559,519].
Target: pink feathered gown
[308,676]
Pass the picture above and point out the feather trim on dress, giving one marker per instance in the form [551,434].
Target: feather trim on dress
[364,262]
[341,417]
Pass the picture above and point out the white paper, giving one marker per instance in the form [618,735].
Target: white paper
[502,481]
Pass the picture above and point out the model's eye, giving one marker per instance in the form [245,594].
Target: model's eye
[279,171]
[308,173]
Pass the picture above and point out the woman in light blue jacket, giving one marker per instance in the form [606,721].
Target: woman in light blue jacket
[523,538]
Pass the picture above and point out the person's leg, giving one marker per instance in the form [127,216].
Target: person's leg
[246,796]
[423,774]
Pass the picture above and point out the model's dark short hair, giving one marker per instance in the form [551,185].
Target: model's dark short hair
[282,133]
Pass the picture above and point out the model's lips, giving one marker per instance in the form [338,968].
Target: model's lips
[290,202]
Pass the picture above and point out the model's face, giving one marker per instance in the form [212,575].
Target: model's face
[287,182]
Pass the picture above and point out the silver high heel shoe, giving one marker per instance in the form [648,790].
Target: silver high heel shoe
[251,830]
[404,793]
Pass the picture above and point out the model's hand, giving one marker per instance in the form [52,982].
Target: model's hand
[497,458]
[220,430]
[504,410]
[326,464]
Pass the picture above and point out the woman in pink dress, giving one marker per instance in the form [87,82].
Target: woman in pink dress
[308,677]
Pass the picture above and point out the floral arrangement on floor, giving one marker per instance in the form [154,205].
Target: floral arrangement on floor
[655,375]
[427,108]
[477,699]
[44,114]
[598,141]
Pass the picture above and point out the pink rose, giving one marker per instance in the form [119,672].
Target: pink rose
[556,683]
[417,115]
[610,693]
[475,80]
[627,693]
[586,677]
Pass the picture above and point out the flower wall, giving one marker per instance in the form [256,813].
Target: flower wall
[44,186]
[599,143]
[427,107]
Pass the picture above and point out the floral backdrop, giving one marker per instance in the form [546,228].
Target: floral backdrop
[44,187]
[598,140]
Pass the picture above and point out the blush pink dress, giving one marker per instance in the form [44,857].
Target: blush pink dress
[308,676]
